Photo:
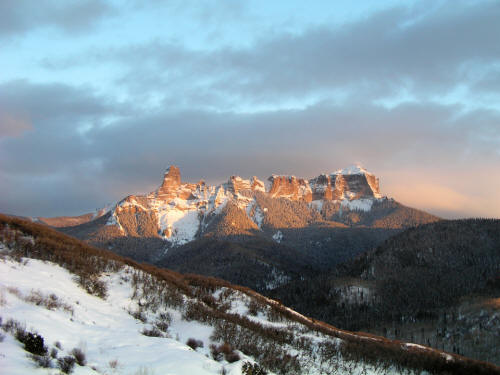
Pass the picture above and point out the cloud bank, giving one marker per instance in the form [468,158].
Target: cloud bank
[409,92]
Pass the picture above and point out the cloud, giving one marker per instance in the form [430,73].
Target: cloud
[57,114]
[127,155]
[13,125]
[427,55]
[301,103]
[22,16]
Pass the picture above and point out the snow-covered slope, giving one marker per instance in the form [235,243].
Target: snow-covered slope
[106,331]
[103,328]
[132,319]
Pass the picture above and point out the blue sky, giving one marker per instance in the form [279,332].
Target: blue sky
[97,98]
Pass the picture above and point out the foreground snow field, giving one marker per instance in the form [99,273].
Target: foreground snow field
[105,330]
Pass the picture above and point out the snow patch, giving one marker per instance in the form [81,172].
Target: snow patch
[278,236]
[358,204]
[317,204]
[352,170]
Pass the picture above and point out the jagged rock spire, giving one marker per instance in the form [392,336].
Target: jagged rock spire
[172,177]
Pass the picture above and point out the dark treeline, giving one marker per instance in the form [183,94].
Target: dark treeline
[416,278]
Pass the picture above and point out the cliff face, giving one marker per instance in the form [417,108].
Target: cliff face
[179,212]
[290,187]
[350,183]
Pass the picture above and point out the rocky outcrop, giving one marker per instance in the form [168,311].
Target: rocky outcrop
[350,183]
[237,184]
[172,178]
[172,187]
[257,185]
[290,187]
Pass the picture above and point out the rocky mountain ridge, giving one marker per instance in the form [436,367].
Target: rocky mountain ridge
[183,211]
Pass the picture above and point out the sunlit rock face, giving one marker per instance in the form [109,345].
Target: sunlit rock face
[290,187]
[181,212]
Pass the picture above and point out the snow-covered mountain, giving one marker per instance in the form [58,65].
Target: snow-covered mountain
[68,306]
[180,212]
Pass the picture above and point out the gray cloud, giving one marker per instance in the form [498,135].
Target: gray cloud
[49,119]
[66,150]
[57,169]
[375,57]
[21,16]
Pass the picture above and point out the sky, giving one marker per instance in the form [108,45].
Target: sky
[97,98]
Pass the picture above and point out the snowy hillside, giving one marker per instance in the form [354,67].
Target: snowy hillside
[113,316]
[104,329]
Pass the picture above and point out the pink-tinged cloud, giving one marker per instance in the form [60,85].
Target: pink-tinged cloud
[450,194]
[12,125]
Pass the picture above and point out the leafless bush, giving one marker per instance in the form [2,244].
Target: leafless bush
[254,307]
[163,321]
[43,361]
[232,357]
[80,356]
[66,364]
[252,369]
[215,352]
[93,285]
[139,315]
[194,344]
[152,332]
[53,353]
[15,291]
[50,302]
[114,364]
[224,350]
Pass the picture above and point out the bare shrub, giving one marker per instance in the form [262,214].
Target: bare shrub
[66,364]
[33,342]
[194,344]
[274,315]
[152,332]
[50,302]
[15,291]
[80,356]
[43,361]
[215,352]
[163,321]
[114,364]
[232,357]
[93,285]
[139,315]
[161,325]
[53,353]
[224,350]
[254,307]
[144,371]
[3,300]
[252,369]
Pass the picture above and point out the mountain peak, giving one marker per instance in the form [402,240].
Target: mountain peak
[172,176]
[354,169]
[171,181]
